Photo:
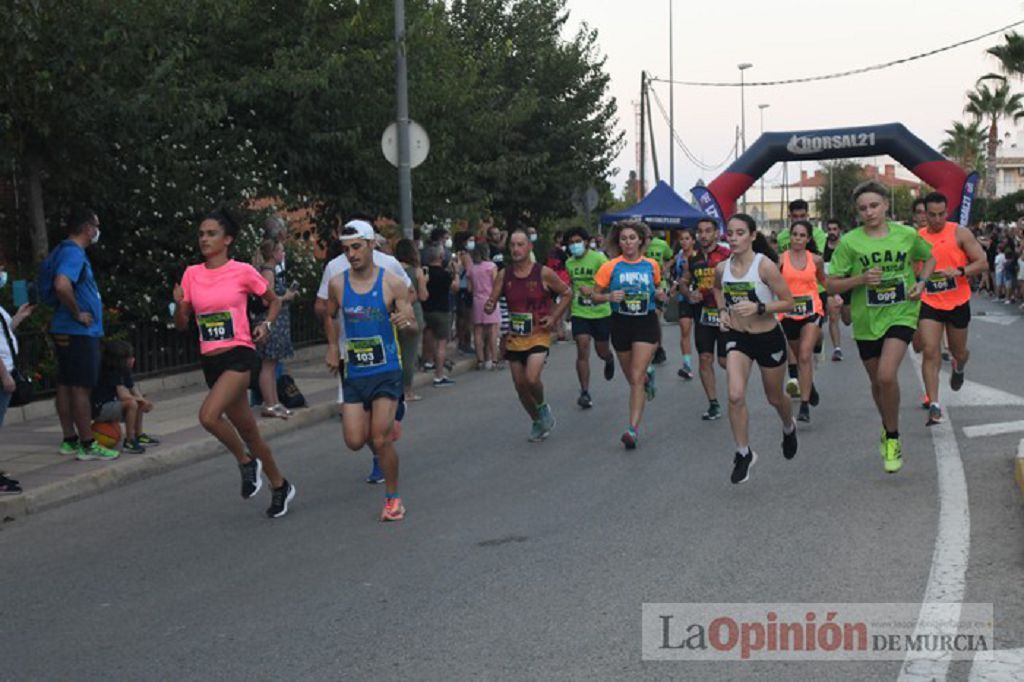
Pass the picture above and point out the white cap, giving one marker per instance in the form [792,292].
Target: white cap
[363,230]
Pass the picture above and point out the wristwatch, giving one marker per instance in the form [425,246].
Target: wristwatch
[760,308]
[963,271]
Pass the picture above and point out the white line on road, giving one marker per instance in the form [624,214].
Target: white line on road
[994,429]
[948,576]
[1002,665]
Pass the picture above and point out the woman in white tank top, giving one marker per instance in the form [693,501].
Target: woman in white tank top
[751,291]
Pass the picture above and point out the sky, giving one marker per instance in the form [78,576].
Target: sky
[790,39]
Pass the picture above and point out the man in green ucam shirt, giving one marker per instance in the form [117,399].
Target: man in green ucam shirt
[660,251]
[876,263]
[590,320]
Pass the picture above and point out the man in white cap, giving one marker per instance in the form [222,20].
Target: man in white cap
[369,304]
[334,268]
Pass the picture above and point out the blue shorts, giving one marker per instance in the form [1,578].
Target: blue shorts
[364,390]
[78,360]
[596,328]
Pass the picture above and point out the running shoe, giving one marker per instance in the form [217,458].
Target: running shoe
[837,355]
[584,400]
[713,412]
[925,402]
[132,447]
[630,438]
[881,443]
[685,373]
[375,476]
[8,486]
[815,398]
[536,431]
[649,387]
[443,381]
[609,368]
[741,466]
[280,499]
[805,413]
[946,356]
[660,358]
[934,415]
[393,510]
[252,477]
[546,419]
[789,444]
[70,448]
[893,456]
[95,451]
[793,388]
[147,440]
[956,378]
[428,366]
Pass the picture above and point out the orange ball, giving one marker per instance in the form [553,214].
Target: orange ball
[107,434]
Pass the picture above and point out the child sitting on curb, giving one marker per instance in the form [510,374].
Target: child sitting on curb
[117,398]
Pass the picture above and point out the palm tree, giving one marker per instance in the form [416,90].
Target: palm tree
[965,144]
[1010,54]
[991,105]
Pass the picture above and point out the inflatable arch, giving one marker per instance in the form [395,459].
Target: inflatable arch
[718,199]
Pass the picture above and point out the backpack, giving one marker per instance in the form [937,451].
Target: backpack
[288,393]
[47,273]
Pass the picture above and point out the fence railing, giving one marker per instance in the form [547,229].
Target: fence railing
[158,350]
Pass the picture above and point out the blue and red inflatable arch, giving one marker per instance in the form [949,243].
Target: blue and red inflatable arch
[718,199]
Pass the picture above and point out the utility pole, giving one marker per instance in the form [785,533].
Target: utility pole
[671,105]
[743,117]
[402,116]
[643,140]
[764,214]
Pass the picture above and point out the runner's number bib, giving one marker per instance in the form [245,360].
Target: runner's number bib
[635,303]
[736,292]
[584,301]
[887,293]
[938,284]
[802,307]
[521,323]
[216,326]
[709,316]
[367,352]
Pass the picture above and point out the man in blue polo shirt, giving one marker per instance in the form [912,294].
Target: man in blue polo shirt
[77,329]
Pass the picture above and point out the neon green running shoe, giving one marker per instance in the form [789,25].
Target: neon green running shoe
[881,443]
[70,449]
[893,456]
[97,452]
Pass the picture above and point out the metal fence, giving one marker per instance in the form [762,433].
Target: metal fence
[158,350]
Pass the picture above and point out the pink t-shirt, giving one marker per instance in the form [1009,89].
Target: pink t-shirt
[219,298]
[481,276]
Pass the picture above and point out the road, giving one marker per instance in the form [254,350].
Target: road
[518,560]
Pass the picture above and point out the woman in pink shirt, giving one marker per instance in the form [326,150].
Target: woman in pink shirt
[482,274]
[217,293]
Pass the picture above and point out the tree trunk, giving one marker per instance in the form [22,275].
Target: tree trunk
[37,217]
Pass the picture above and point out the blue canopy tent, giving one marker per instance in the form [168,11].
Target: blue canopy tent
[661,209]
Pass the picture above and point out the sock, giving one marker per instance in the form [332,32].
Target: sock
[793,372]
[892,435]
[789,428]
[392,496]
[713,402]
[804,405]
[686,360]
[744,451]
[71,440]
[86,444]
[284,484]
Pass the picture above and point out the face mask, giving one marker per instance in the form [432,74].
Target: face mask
[533,237]
[419,243]
[593,245]
[447,243]
[95,237]
[3,279]
[470,245]
[577,249]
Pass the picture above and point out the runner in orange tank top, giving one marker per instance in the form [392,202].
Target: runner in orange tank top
[803,269]
[946,303]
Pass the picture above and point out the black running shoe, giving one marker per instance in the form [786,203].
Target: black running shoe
[713,412]
[956,380]
[280,499]
[252,479]
[741,466]
[815,398]
[660,358]
[789,443]
[609,368]
[805,413]
[584,401]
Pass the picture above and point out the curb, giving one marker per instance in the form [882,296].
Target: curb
[128,470]
[1018,466]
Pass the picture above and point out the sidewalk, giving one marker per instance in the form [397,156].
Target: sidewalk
[28,448]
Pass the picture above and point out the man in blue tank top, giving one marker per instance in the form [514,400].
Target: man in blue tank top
[372,304]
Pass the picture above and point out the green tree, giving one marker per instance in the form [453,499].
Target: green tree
[965,144]
[835,196]
[1010,54]
[991,105]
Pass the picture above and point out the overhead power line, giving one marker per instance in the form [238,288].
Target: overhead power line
[682,145]
[841,74]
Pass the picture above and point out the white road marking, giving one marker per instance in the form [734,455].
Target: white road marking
[994,429]
[948,576]
[997,666]
[1004,319]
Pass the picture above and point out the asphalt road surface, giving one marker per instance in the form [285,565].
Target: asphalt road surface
[520,560]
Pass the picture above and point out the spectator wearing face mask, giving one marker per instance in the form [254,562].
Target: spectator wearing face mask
[531,233]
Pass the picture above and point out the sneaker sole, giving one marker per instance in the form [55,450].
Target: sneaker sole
[96,458]
[709,418]
[392,519]
[753,461]
[287,500]
[374,481]
[259,480]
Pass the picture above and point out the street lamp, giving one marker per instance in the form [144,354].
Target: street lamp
[743,117]
[762,107]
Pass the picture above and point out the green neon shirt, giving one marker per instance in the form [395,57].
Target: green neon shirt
[581,274]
